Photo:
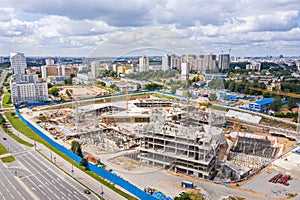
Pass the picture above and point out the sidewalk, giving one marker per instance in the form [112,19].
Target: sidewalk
[81,176]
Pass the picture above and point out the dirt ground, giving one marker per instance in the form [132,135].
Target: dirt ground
[126,163]
[82,91]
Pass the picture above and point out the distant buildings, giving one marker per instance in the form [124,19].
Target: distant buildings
[143,64]
[52,70]
[168,62]
[185,71]
[25,88]
[18,63]
[298,64]
[196,63]
[254,66]
[224,61]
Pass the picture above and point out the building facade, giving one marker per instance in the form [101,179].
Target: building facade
[185,71]
[28,89]
[143,64]
[224,61]
[18,63]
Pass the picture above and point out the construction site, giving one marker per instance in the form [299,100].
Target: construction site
[172,134]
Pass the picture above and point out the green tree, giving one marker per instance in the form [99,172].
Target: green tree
[174,87]
[54,91]
[138,86]
[276,105]
[153,86]
[76,148]
[84,162]
[212,97]
[113,86]
[266,94]
[183,196]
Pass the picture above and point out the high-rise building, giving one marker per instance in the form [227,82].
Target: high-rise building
[18,63]
[185,71]
[144,64]
[298,64]
[25,88]
[167,62]
[28,89]
[254,66]
[224,61]
[49,61]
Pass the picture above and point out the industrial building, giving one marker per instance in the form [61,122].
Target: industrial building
[262,105]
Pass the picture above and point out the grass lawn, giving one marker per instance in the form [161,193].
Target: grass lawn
[3,150]
[21,127]
[6,102]
[8,159]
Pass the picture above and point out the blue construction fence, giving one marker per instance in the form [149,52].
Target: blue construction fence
[101,172]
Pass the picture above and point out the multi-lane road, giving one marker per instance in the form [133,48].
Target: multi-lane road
[33,177]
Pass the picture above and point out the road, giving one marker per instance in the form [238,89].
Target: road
[67,167]
[38,177]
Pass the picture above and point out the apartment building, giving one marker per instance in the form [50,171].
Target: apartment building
[28,89]
[18,63]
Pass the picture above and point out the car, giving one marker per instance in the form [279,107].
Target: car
[86,191]
[4,138]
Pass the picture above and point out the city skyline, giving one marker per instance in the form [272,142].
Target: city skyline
[248,28]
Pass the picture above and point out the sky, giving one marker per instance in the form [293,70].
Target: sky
[77,28]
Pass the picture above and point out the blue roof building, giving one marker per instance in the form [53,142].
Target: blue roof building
[262,105]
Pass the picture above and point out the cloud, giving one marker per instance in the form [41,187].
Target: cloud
[73,26]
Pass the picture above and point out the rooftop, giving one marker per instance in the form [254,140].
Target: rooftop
[265,101]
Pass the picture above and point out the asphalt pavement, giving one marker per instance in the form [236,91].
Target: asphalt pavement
[39,179]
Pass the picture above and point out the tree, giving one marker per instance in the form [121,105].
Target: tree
[183,196]
[174,87]
[276,105]
[54,91]
[213,97]
[76,148]
[153,86]
[138,86]
[266,94]
[101,83]
[84,162]
[113,86]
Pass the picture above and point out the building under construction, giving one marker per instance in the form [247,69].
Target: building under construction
[190,149]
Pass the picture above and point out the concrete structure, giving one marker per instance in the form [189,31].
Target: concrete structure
[18,63]
[28,89]
[262,105]
[205,62]
[185,71]
[224,61]
[143,64]
[190,150]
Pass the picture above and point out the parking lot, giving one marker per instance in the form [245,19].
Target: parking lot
[261,184]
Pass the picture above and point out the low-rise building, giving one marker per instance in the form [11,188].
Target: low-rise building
[262,105]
